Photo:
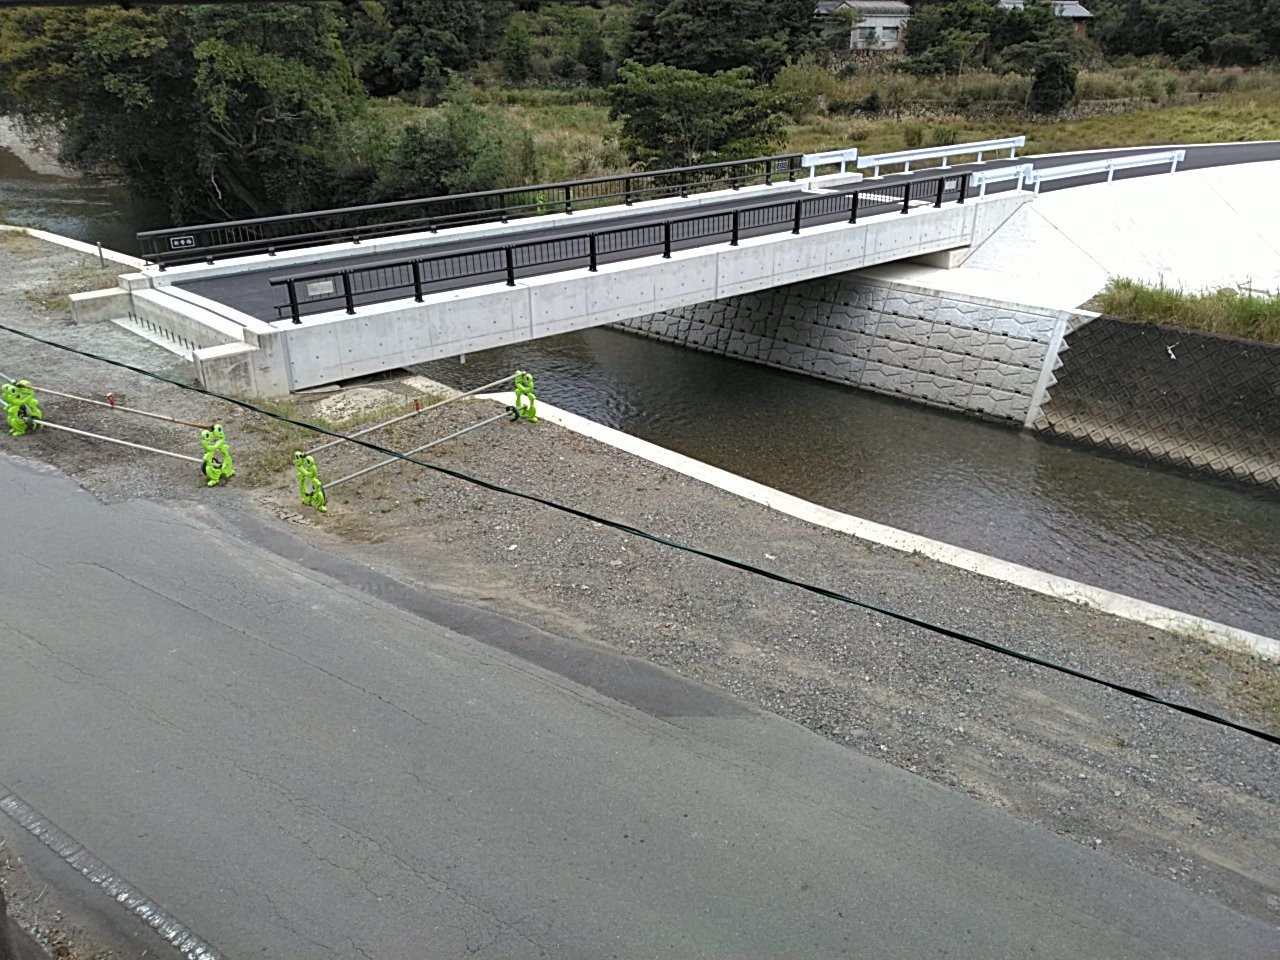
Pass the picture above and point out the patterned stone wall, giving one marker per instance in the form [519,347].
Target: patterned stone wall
[1187,399]
[964,353]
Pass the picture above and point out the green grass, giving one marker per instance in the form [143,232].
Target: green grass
[1240,314]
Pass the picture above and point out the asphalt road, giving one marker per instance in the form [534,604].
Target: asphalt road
[297,757]
[252,293]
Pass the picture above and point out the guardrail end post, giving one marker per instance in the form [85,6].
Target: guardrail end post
[795,226]
[733,241]
[666,239]
[853,208]
[293,301]
[942,185]
[347,293]
[416,266]
[511,266]
[591,251]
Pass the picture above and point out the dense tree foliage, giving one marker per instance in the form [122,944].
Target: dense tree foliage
[956,35]
[218,111]
[673,117]
[1192,32]
[711,35]
[409,45]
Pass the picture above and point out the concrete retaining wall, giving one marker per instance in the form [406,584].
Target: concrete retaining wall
[1210,403]
[968,354]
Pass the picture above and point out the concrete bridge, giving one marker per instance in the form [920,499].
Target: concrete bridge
[268,323]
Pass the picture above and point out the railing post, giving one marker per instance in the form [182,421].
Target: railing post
[293,301]
[768,173]
[853,208]
[795,225]
[346,292]
[626,191]
[666,239]
[568,199]
[417,281]
[733,176]
[733,242]
[906,198]
[937,200]
[591,247]
[964,185]
[511,267]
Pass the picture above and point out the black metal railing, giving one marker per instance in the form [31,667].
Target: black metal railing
[348,288]
[212,241]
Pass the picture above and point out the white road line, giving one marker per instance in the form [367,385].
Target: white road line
[97,872]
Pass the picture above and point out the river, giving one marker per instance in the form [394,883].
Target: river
[1201,546]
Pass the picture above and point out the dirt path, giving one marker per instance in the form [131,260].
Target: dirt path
[1177,797]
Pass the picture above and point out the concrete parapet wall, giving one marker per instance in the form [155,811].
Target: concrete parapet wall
[965,353]
[1193,400]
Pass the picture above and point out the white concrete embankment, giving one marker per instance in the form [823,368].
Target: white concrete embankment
[1129,608]
[1194,229]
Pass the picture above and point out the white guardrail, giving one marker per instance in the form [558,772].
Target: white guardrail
[908,157]
[1108,166]
[829,159]
[1020,172]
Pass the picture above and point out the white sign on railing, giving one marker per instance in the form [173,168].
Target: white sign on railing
[908,157]
[1108,166]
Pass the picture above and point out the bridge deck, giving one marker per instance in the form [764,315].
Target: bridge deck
[250,292]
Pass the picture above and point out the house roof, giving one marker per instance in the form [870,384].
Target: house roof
[1068,9]
[1072,10]
[883,7]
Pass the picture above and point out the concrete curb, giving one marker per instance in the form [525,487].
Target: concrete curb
[1128,608]
[78,245]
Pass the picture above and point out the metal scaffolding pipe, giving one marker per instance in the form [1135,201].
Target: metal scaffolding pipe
[406,416]
[122,409]
[425,446]
[123,443]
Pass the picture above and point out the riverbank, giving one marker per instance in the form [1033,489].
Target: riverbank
[1177,797]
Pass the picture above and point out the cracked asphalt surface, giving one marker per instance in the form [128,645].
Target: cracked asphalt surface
[296,768]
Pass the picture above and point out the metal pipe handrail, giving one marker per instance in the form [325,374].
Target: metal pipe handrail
[406,416]
[430,223]
[564,190]
[408,453]
[123,443]
[119,408]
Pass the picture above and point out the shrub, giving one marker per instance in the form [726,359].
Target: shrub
[912,135]
[944,134]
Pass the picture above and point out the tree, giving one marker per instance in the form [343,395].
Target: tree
[458,150]
[839,27]
[673,117]
[401,46]
[1053,84]
[219,111]
[712,35]
[516,53]
[591,52]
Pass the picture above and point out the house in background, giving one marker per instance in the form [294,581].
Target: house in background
[1067,9]
[882,25]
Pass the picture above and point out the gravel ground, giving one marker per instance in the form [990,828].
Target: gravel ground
[1177,797]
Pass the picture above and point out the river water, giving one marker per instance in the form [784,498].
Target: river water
[1200,546]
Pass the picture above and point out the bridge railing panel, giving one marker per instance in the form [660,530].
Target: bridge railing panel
[269,235]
